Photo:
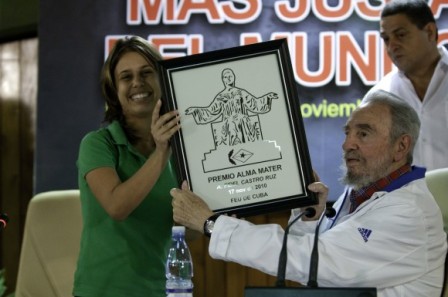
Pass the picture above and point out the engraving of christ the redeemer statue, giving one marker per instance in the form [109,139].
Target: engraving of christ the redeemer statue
[236,110]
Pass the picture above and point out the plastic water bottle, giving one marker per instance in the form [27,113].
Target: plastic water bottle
[179,267]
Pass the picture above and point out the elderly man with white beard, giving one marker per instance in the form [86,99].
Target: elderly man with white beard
[387,232]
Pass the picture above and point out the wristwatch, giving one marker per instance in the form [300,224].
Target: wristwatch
[209,224]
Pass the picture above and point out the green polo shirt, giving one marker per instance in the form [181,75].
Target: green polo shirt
[122,258]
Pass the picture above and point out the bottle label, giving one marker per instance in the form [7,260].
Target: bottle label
[179,294]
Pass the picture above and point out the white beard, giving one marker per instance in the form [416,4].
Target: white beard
[369,174]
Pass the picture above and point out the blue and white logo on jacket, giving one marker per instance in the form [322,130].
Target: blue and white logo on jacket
[365,233]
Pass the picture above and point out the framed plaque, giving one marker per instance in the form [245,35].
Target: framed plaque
[242,145]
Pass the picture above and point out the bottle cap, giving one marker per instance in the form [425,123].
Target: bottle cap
[178,229]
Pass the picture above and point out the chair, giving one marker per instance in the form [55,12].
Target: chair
[437,181]
[50,245]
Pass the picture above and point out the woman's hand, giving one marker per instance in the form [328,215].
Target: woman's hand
[163,126]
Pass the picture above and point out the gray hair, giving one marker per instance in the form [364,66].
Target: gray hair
[405,120]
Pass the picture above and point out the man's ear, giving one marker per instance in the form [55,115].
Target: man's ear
[431,30]
[402,147]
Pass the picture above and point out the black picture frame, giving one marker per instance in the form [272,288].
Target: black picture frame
[244,155]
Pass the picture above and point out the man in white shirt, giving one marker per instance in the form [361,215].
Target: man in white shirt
[409,31]
[387,232]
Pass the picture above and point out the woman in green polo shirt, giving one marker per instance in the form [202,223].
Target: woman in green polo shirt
[124,177]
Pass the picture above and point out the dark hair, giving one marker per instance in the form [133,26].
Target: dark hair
[417,11]
[108,84]
[405,120]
